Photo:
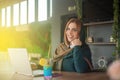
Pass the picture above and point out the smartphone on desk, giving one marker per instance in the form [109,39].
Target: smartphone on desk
[56,75]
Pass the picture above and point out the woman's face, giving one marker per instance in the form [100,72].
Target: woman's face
[72,32]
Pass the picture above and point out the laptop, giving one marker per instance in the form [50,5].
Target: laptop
[20,62]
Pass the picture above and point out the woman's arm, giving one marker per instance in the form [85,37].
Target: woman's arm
[60,51]
[79,55]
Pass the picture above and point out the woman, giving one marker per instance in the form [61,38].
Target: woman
[73,55]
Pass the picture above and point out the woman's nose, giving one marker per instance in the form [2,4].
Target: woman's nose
[70,31]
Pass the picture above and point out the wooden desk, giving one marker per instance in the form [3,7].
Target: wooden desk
[77,76]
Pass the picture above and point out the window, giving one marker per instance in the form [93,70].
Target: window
[23,12]
[3,17]
[50,8]
[42,10]
[26,11]
[16,14]
[31,11]
[8,16]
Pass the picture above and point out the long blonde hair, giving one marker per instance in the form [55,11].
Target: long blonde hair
[72,20]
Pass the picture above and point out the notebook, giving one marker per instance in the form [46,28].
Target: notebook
[20,62]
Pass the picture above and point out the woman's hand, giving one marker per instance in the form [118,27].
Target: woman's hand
[76,42]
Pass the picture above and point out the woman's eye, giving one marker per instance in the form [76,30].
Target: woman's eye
[67,29]
[75,30]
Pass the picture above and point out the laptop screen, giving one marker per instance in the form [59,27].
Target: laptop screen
[19,60]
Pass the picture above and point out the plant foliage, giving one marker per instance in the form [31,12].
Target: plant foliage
[36,39]
[116,26]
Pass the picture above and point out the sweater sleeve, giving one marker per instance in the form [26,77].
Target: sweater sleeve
[79,53]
